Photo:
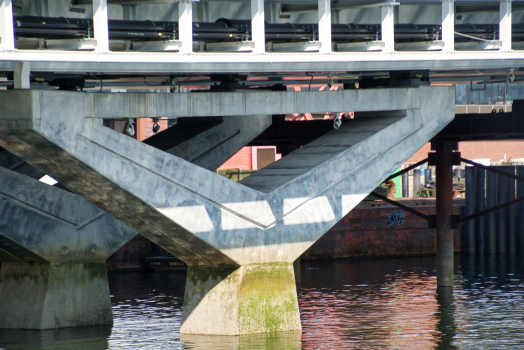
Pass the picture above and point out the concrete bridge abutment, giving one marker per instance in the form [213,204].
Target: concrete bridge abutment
[239,239]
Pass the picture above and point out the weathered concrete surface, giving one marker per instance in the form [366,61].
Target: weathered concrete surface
[45,296]
[53,247]
[254,298]
[54,225]
[199,216]
[215,145]
[250,102]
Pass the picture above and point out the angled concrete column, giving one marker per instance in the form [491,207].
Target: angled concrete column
[221,139]
[239,239]
[53,247]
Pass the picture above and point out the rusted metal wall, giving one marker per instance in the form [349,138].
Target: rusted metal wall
[132,255]
[365,232]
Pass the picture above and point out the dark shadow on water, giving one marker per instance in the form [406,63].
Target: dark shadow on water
[269,341]
[81,338]
[446,318]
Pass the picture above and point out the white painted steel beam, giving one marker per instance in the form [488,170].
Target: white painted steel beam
[7,38]
[185,26]
[324,25]
[448,25]
[258,31]
[126,62]
[388,27]
[505,25]
[21,75]
[100,25]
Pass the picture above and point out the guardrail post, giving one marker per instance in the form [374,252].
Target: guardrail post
[324,25]
[258,32]
[388,26]
[7,37]
[185,26]
[100,25]
[448,25]
[505,25]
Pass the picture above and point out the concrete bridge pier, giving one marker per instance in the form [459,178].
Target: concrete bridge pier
[252,298]
[53,247]
[239,239]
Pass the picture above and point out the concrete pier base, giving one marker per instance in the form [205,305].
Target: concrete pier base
[46,296]
[256,298]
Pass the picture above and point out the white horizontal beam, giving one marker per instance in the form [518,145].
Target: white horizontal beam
[74,61]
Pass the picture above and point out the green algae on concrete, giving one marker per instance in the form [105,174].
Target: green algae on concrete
[255,298]
[268,299]
[47,296]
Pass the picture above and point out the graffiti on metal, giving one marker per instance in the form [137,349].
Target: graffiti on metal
[395,217]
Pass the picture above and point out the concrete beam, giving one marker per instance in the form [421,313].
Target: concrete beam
[140,105]
[213,147]
[270,219]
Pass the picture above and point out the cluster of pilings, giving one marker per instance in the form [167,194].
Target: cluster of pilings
[500,231]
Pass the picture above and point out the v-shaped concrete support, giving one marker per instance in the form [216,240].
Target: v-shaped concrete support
[244,233]
[53,247]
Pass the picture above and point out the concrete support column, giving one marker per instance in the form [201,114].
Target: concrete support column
[26,7]
[100,25]
[505,25]
[7,37]
[203,11]
[258,32]
[324,25]
[335,16]
[42,8]
[21,75]
[270,12]
[129,12]
[48,296]
[444,208]
[185,26]
[254,298]
[448,25]
[388,27]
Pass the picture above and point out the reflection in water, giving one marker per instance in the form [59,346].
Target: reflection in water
[390,304]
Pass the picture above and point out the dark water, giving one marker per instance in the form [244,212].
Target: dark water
[373,304]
